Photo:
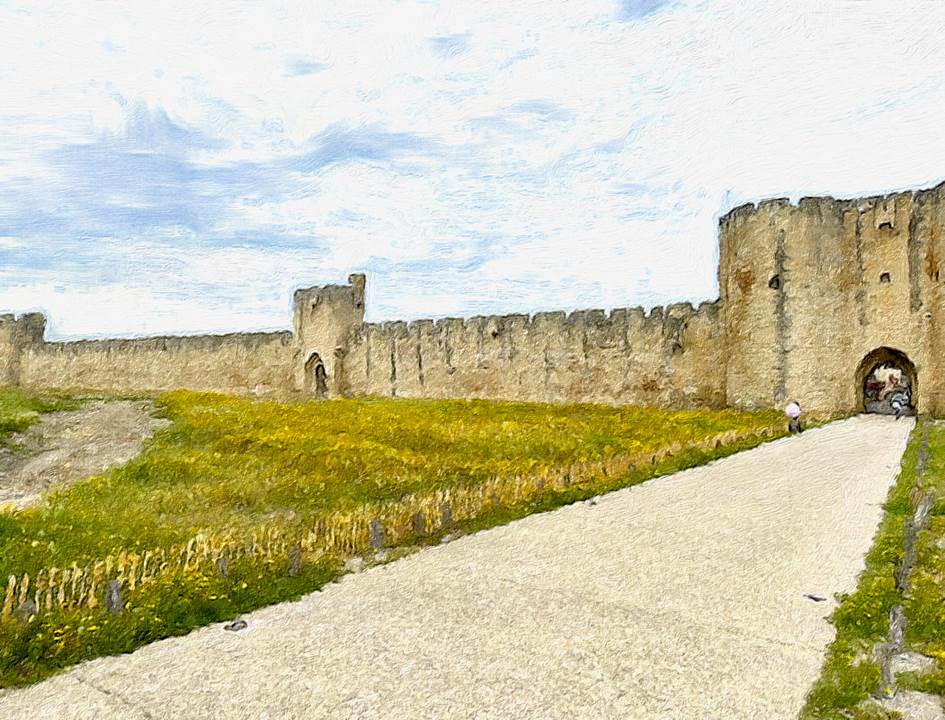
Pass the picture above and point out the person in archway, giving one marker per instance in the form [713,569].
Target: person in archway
[899,401]
[793,412]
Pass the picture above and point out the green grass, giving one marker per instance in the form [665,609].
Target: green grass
[235,465]
[850,674]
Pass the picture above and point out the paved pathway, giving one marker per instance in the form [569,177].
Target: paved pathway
[679,598]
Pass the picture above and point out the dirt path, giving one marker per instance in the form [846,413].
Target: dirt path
[64,447]
[681,598]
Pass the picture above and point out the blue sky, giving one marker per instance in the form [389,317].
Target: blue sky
[182,167]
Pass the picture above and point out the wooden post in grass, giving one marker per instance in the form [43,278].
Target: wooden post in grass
[113,602]
[446,516]
[26,610]
[378,536]
[419,524]
[8,599]
[50,588]
[295,560]
[76,572]
[94,581]
[61,597]
[133,565]
[39,584]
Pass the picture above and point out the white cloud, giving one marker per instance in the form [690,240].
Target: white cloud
[516,156]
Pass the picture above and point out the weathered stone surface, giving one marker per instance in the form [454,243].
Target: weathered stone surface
[806,338]
[915,705]
[911,662]
[808,293]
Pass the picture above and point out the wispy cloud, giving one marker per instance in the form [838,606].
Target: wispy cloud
[299,66]
[450,45]
[636,9]
[158,158]
[340,144]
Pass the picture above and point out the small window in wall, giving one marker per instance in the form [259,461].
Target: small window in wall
[775,282]
[884,278]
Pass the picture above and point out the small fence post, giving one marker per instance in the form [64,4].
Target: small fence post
[419,524]
[378,537]
[8,599]
[223,565]
[26,610]
[295,561]
[113,601]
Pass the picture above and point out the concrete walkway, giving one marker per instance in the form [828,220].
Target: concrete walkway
[680,598]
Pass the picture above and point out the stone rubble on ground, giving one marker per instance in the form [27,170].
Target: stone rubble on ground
[354,565]
[911,662]
[915,705]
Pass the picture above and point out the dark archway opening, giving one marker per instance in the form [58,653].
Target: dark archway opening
[316,377]
[886,383]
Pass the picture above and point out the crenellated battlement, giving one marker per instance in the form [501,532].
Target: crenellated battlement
[807,290]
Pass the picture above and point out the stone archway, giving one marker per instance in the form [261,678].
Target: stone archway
[316,377]
[881,375]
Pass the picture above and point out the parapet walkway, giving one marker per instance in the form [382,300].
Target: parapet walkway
[682,598]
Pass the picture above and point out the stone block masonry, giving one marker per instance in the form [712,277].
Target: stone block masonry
[668,358]
[810,294]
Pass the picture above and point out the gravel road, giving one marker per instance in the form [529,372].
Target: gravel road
[64,447]
[684,597]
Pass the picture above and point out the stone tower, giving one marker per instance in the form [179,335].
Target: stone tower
[324,318]
[18,335]
[816,295]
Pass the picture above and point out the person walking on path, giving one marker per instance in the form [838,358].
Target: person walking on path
[793,411]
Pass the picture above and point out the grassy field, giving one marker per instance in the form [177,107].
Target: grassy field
[851,674]
[241,503]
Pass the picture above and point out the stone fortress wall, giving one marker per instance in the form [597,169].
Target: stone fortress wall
[814,294]
[811,296]
[669,357]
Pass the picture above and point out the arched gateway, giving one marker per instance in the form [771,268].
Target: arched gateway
[316,378]
[883,378]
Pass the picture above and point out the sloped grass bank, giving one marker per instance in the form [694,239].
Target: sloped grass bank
[851,673]
[241,503]
[924,604]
